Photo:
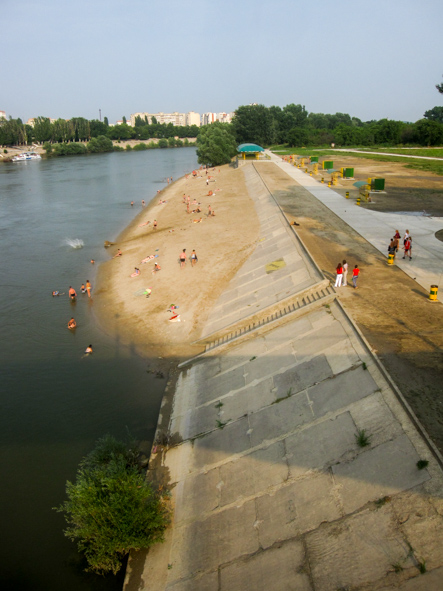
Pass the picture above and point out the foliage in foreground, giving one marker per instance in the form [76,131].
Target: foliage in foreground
[111,509]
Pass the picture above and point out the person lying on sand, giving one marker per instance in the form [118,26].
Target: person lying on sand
[117,254]
[144,224]
[197,221]
[136,272]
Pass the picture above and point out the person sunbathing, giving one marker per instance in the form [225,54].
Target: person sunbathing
[197,221]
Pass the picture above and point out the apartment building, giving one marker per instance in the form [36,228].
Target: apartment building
[174,118]
[208,118]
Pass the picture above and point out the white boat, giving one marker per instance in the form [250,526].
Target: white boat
[26,156]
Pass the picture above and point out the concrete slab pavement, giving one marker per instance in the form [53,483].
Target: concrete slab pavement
[270,488]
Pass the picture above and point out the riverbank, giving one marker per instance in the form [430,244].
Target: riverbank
[222,242]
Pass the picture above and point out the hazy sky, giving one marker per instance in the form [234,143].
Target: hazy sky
[369,58]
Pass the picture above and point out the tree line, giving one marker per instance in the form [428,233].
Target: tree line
[78,129]
[294,126]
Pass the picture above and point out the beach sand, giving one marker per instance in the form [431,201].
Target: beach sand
[222,243]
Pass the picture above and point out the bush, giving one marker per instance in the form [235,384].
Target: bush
[111,508]
[68,149]
[100,144]
[128,147]
[162,143]
[48,147]
[5,151]
[140,147]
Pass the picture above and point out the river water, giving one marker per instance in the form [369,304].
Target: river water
[55,402]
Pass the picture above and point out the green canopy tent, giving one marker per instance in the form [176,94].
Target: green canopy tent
[245,149]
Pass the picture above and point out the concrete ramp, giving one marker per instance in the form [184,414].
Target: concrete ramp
[277,270]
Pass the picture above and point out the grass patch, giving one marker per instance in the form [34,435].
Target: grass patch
[220,424]
[422,566]
[397,567]
[382,501]
[364,366]
[421,464]
[219,404]
[362,438]
[427,165]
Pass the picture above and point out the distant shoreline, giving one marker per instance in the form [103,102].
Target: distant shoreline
[119,146]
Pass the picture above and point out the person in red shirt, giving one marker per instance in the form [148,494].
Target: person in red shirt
[355,273]
[408,246]
[339,276]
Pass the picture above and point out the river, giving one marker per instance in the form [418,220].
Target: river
[55,402]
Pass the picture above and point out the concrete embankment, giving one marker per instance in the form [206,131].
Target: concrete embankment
[295,462]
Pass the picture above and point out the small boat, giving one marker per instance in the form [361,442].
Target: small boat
[24,156]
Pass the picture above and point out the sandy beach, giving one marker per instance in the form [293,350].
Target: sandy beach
[222,243]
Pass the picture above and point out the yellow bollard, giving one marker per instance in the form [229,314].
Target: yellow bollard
[322,180]
[329,183]
[358,200]
[347,194]
[391,258]
[306,170]
[433,293]
[310,174]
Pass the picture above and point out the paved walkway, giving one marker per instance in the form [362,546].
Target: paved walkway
[378,228]
[270,488]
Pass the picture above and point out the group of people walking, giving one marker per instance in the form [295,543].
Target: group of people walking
[341,279]
[407,245]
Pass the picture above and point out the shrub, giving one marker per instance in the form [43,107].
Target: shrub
[111,508]
[100,144]
[162,143]
[128,147]
[140,147]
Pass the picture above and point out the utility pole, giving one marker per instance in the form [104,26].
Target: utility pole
[100,111]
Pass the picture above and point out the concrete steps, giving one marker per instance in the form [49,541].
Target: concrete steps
[301,304]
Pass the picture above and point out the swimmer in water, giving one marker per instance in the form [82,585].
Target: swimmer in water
[88,350]
[56,293]
[72,324]
[92,261]
[72,293]
[88,288]
[83,288]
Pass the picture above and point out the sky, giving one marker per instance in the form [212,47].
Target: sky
[371,59]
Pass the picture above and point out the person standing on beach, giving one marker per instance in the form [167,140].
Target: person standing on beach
[355,273]
[182,258]
[405,237]
[339,275]
[209,210]
[88,288]
[154,225]
[345,273]
[194,258]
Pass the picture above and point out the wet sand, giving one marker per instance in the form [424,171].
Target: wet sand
[222,243]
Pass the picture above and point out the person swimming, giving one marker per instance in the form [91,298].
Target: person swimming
[88,350]
[83,288]
[72,293]
[72,324]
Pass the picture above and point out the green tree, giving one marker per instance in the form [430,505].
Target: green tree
[439,87]
[99,144]
[97,128]
[216,144]
[120,132]
[254,123]
[111,508]
[124,120]
[435,114]
[105,121]
[42,129]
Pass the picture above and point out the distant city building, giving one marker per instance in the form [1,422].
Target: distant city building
[31,121]
[128,122]
[3,114]
[208,118]
[178,119]
[193,118]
